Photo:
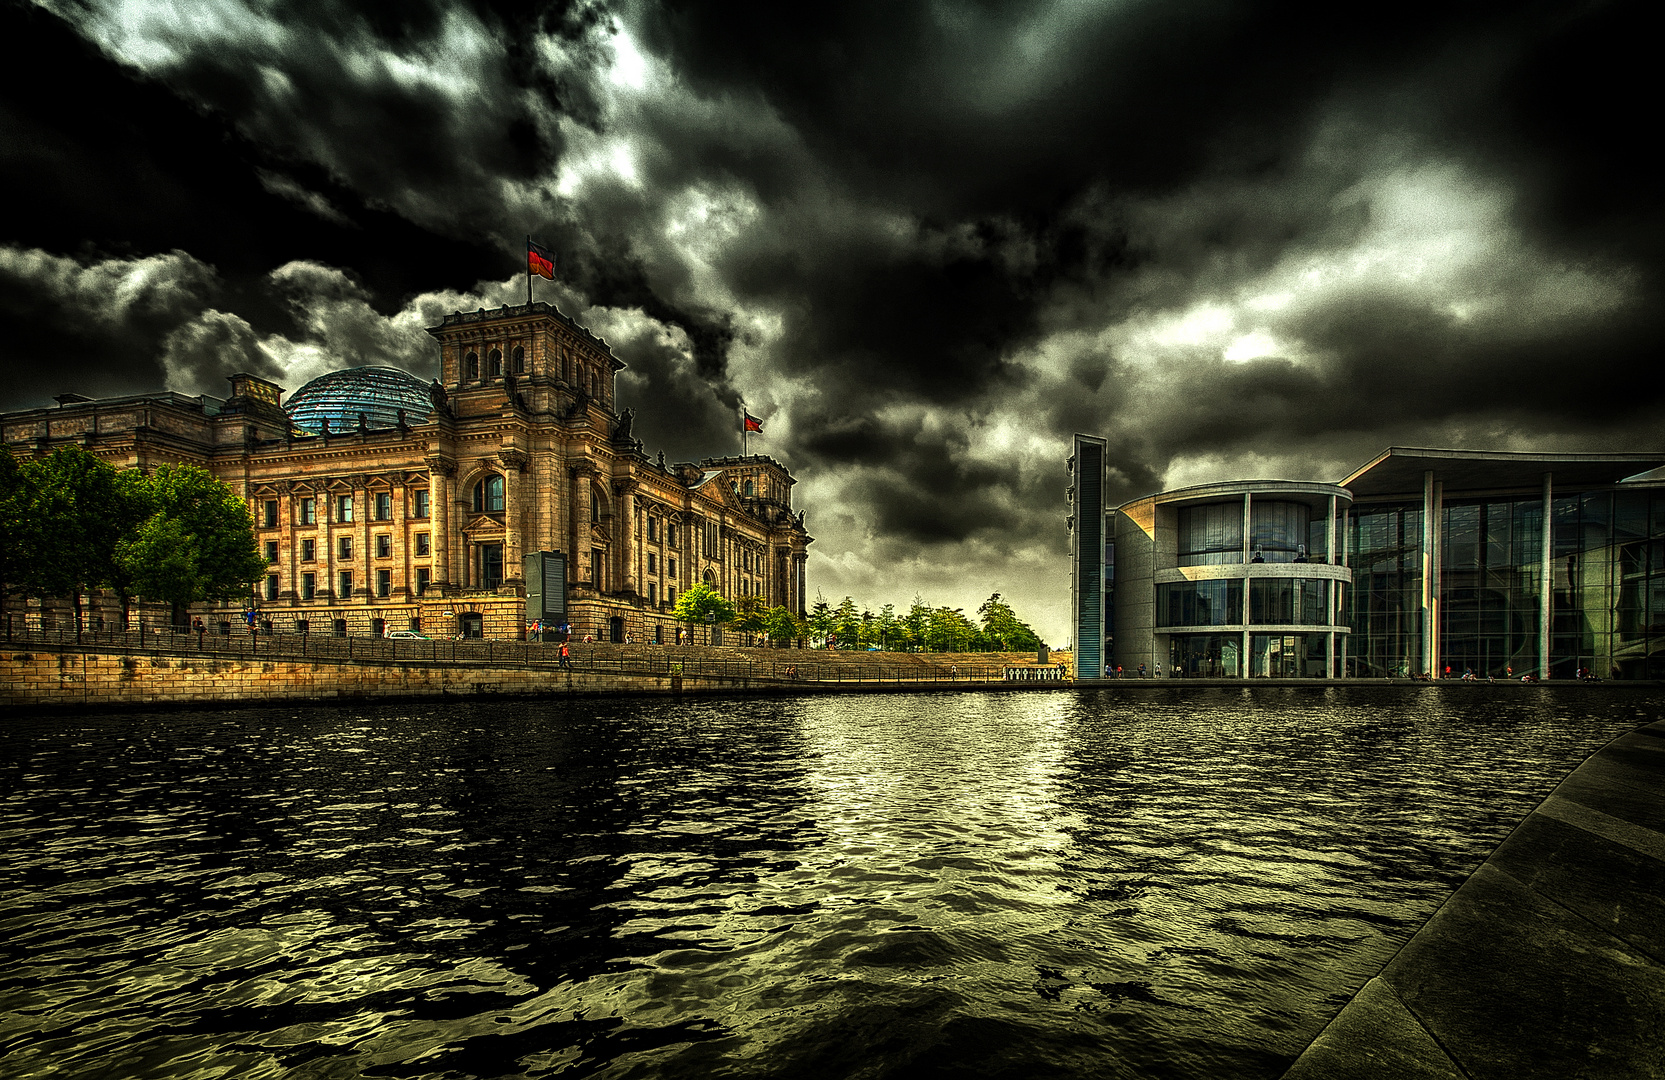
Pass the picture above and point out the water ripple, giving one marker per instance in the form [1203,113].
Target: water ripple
[1156,884]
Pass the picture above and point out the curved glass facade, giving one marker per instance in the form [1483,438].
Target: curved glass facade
[1278,531]
[1211,535]
[1289,601]
[340,398]
[1200,603]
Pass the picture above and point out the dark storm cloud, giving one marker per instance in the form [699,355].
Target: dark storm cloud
[927,240]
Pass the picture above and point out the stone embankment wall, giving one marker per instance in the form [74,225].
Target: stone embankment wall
[34,677]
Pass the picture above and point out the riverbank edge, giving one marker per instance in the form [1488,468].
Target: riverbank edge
[68,677]
[1549,961]
[58,679]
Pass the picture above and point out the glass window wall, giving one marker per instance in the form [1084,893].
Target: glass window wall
[1200,603]
[1289,601]
[1278,531]
[1384,606]
[1211,535]
[1205,656]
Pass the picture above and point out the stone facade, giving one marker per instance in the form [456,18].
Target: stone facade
[424,525]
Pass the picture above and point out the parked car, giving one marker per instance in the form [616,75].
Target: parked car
[406,635]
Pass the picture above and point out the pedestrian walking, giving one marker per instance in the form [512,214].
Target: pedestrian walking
[566,656]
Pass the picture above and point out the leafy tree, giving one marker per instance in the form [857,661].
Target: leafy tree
[196,544]
[701,603]
[948,630]
[15,497]
[1004,630]
[76,508]
[781,625]
[916,624]
[846,623]
[886,628]
[820,618]
[749,615]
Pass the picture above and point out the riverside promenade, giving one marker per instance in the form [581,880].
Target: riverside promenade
[1548,962]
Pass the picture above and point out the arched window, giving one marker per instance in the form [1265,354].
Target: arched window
[710,579]
[488,495]
[471,367]
[751,489]
[566,368]
[520,360]
[496,367]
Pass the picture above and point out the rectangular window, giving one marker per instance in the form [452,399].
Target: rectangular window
[309,550]
[653,529]
[595,567]
[309,587]
[384,546]
[491,565]
[271,586]
[670,567]
[384,583]
[384,506]
[346,547]
[309,511]
[302,626]
[652,566]
[344,508]
[670,594]
[422,502]
[346,590]
[653,593]
[422,543]
[271,514]
[709,547]
[423,577]
[271,552]
[670,535]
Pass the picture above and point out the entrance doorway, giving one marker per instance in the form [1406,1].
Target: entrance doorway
[472,624]
[615,629]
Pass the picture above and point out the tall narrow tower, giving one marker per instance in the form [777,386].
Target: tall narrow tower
[1087,555]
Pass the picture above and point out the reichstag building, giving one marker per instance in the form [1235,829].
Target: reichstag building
[1422,562]
[382,502]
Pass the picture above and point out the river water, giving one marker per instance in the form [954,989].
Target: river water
[1057,884]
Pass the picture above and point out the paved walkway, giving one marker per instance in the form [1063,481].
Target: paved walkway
[1548,962]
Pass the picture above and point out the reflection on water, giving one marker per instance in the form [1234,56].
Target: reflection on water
[1154,884]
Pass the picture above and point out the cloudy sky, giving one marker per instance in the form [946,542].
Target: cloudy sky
[924,241]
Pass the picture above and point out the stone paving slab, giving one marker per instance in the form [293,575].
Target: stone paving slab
[1548,962]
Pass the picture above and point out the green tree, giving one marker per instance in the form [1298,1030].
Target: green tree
[916,624]
[76,508]
[820,619]
[846,623]
[749,615]
[15,497]
[781,625]
[1004,630]
[703,604]
[948,630]
[196,544]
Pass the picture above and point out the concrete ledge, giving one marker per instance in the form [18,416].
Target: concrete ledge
[1548,962]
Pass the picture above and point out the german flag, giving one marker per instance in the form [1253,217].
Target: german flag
[540,260]
[752,422]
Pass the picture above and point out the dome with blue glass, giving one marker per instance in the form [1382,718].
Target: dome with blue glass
[375,394]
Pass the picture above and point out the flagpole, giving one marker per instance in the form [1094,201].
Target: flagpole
[745,429]
[528,269]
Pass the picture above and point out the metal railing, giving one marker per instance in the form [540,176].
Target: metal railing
[590,658]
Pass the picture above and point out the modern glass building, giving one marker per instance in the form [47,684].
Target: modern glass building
[1421,562]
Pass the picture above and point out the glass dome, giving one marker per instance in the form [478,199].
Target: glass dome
[376,392]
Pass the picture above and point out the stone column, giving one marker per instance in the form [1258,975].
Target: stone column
[624,527]
[514,463]
[1546,602]
[579,510]
[1248,533]
[1437,650]
[440,495]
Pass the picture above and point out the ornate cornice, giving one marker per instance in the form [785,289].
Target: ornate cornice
[439,463]
[513,459]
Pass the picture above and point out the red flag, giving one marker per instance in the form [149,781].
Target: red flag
[540,261]
[752,422]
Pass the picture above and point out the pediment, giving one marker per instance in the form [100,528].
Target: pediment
[483,526]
